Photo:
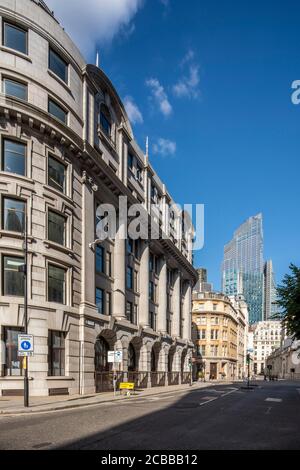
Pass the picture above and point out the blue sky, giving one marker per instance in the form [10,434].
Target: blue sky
[210,83]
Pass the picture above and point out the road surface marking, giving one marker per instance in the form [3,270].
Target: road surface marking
[228,393]
[277,400]
[268,410]
[208,401]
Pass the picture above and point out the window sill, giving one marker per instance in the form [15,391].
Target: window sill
[16,176]
[59,378]
[59,193]
[57,246]
[104,276]
[18,378]
[17,235]
[109,143]
[60,81]
[17,53]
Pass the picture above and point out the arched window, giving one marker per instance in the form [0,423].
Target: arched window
[101,352]
[170,362]
[131,358]
[105,120]
[153,361]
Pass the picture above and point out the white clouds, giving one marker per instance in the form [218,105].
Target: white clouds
[189,56]
[164,147]
[94,21]
[187,86]
[160,96]
[134,114]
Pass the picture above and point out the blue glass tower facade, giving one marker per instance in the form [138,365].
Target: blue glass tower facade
[243,266]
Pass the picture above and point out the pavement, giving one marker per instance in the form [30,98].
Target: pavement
[15,405]
[218,416]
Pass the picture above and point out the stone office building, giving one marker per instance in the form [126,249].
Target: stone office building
[218,334]
[67,147]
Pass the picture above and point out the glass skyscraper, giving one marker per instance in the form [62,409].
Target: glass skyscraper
[243,266]
[271,309]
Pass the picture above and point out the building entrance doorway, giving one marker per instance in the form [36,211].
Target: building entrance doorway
[213,371]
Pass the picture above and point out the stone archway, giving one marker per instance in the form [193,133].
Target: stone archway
[103,381]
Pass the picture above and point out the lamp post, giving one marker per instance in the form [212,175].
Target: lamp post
[25,363]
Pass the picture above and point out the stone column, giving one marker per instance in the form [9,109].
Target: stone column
[176,304]
[144,285]
[187,312]
[119,305]
[88,237]
[162,297]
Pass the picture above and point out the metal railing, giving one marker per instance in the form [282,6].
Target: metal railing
[158,379]
[185,377]
[104,381]
[140,379]
[173,378]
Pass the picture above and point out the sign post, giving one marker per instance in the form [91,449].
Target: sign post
[115,357]
[25,349]
[248,362]
[25,364]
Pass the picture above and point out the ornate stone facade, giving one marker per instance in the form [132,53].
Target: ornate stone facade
[66,147]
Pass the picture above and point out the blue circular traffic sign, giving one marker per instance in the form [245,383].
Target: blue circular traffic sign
[25,345]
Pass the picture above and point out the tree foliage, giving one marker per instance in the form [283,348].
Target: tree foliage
[289,300]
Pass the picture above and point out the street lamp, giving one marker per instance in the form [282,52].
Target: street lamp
[25,359]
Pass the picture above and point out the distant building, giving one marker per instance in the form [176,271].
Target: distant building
[202,285]
[219,335]
[242,269]
[285,361]
[241,307]
[266,338]
[270,302]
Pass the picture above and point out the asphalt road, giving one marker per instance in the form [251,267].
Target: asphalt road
[220,417]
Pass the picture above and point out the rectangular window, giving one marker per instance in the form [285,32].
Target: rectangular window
[151,263]
[13,276]
[105,124]
[56,228]
[14,157]
[13,363]
[57,111]
[130,246]
[99,259]
[15,38]
[56,174]
[14,88]
[152,291]
[152,320]
[130,312]
[58,65]
[56,284]
[56,353]
[130,161]
[136,281]
[139,174]
[13,215]
[129,278]
[100,301]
